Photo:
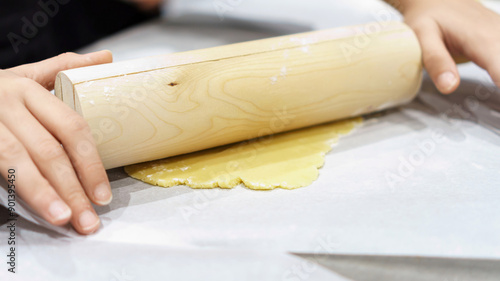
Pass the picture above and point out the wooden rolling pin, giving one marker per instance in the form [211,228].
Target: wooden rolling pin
[167,105]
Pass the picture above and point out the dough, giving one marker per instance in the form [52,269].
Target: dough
[288,160]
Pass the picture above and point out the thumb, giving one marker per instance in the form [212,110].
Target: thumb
[44,72]
[437,60]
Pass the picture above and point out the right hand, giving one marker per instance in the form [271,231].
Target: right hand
[57,167]
[453,28]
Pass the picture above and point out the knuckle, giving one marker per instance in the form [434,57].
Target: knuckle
[22,81]
[429,58]
[93,167]
[24,86]
[6,98]
[69,59]
[15,85]
[67,55]
[76,197]
[43,192]
[10,148]
[49,150]
[77,124]
[432,58]
[420,25]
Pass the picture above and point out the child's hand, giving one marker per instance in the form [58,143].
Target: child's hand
[56,181]
[447,28]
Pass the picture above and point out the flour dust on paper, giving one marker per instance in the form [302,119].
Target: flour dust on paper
[287,160]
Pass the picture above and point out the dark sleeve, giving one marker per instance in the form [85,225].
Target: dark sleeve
[33,30]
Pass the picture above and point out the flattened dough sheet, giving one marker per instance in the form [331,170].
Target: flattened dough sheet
[288,160]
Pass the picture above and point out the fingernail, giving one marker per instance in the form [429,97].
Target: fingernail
[59,211]
[107,51]
[110,53]
[446,81]
[92,56]
[88,220]
[102,194]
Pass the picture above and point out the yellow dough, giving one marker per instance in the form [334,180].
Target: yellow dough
[287,160]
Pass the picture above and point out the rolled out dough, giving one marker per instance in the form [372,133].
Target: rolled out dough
[287,160]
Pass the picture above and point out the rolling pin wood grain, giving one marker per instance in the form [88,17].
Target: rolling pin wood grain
[162,106]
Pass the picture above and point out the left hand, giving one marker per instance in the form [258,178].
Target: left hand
[51,145]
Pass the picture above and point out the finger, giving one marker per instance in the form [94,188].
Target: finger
[486,55]
[45,72]
[74,133]
[437,59]
[493,69]
[54,164]
[29,184]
